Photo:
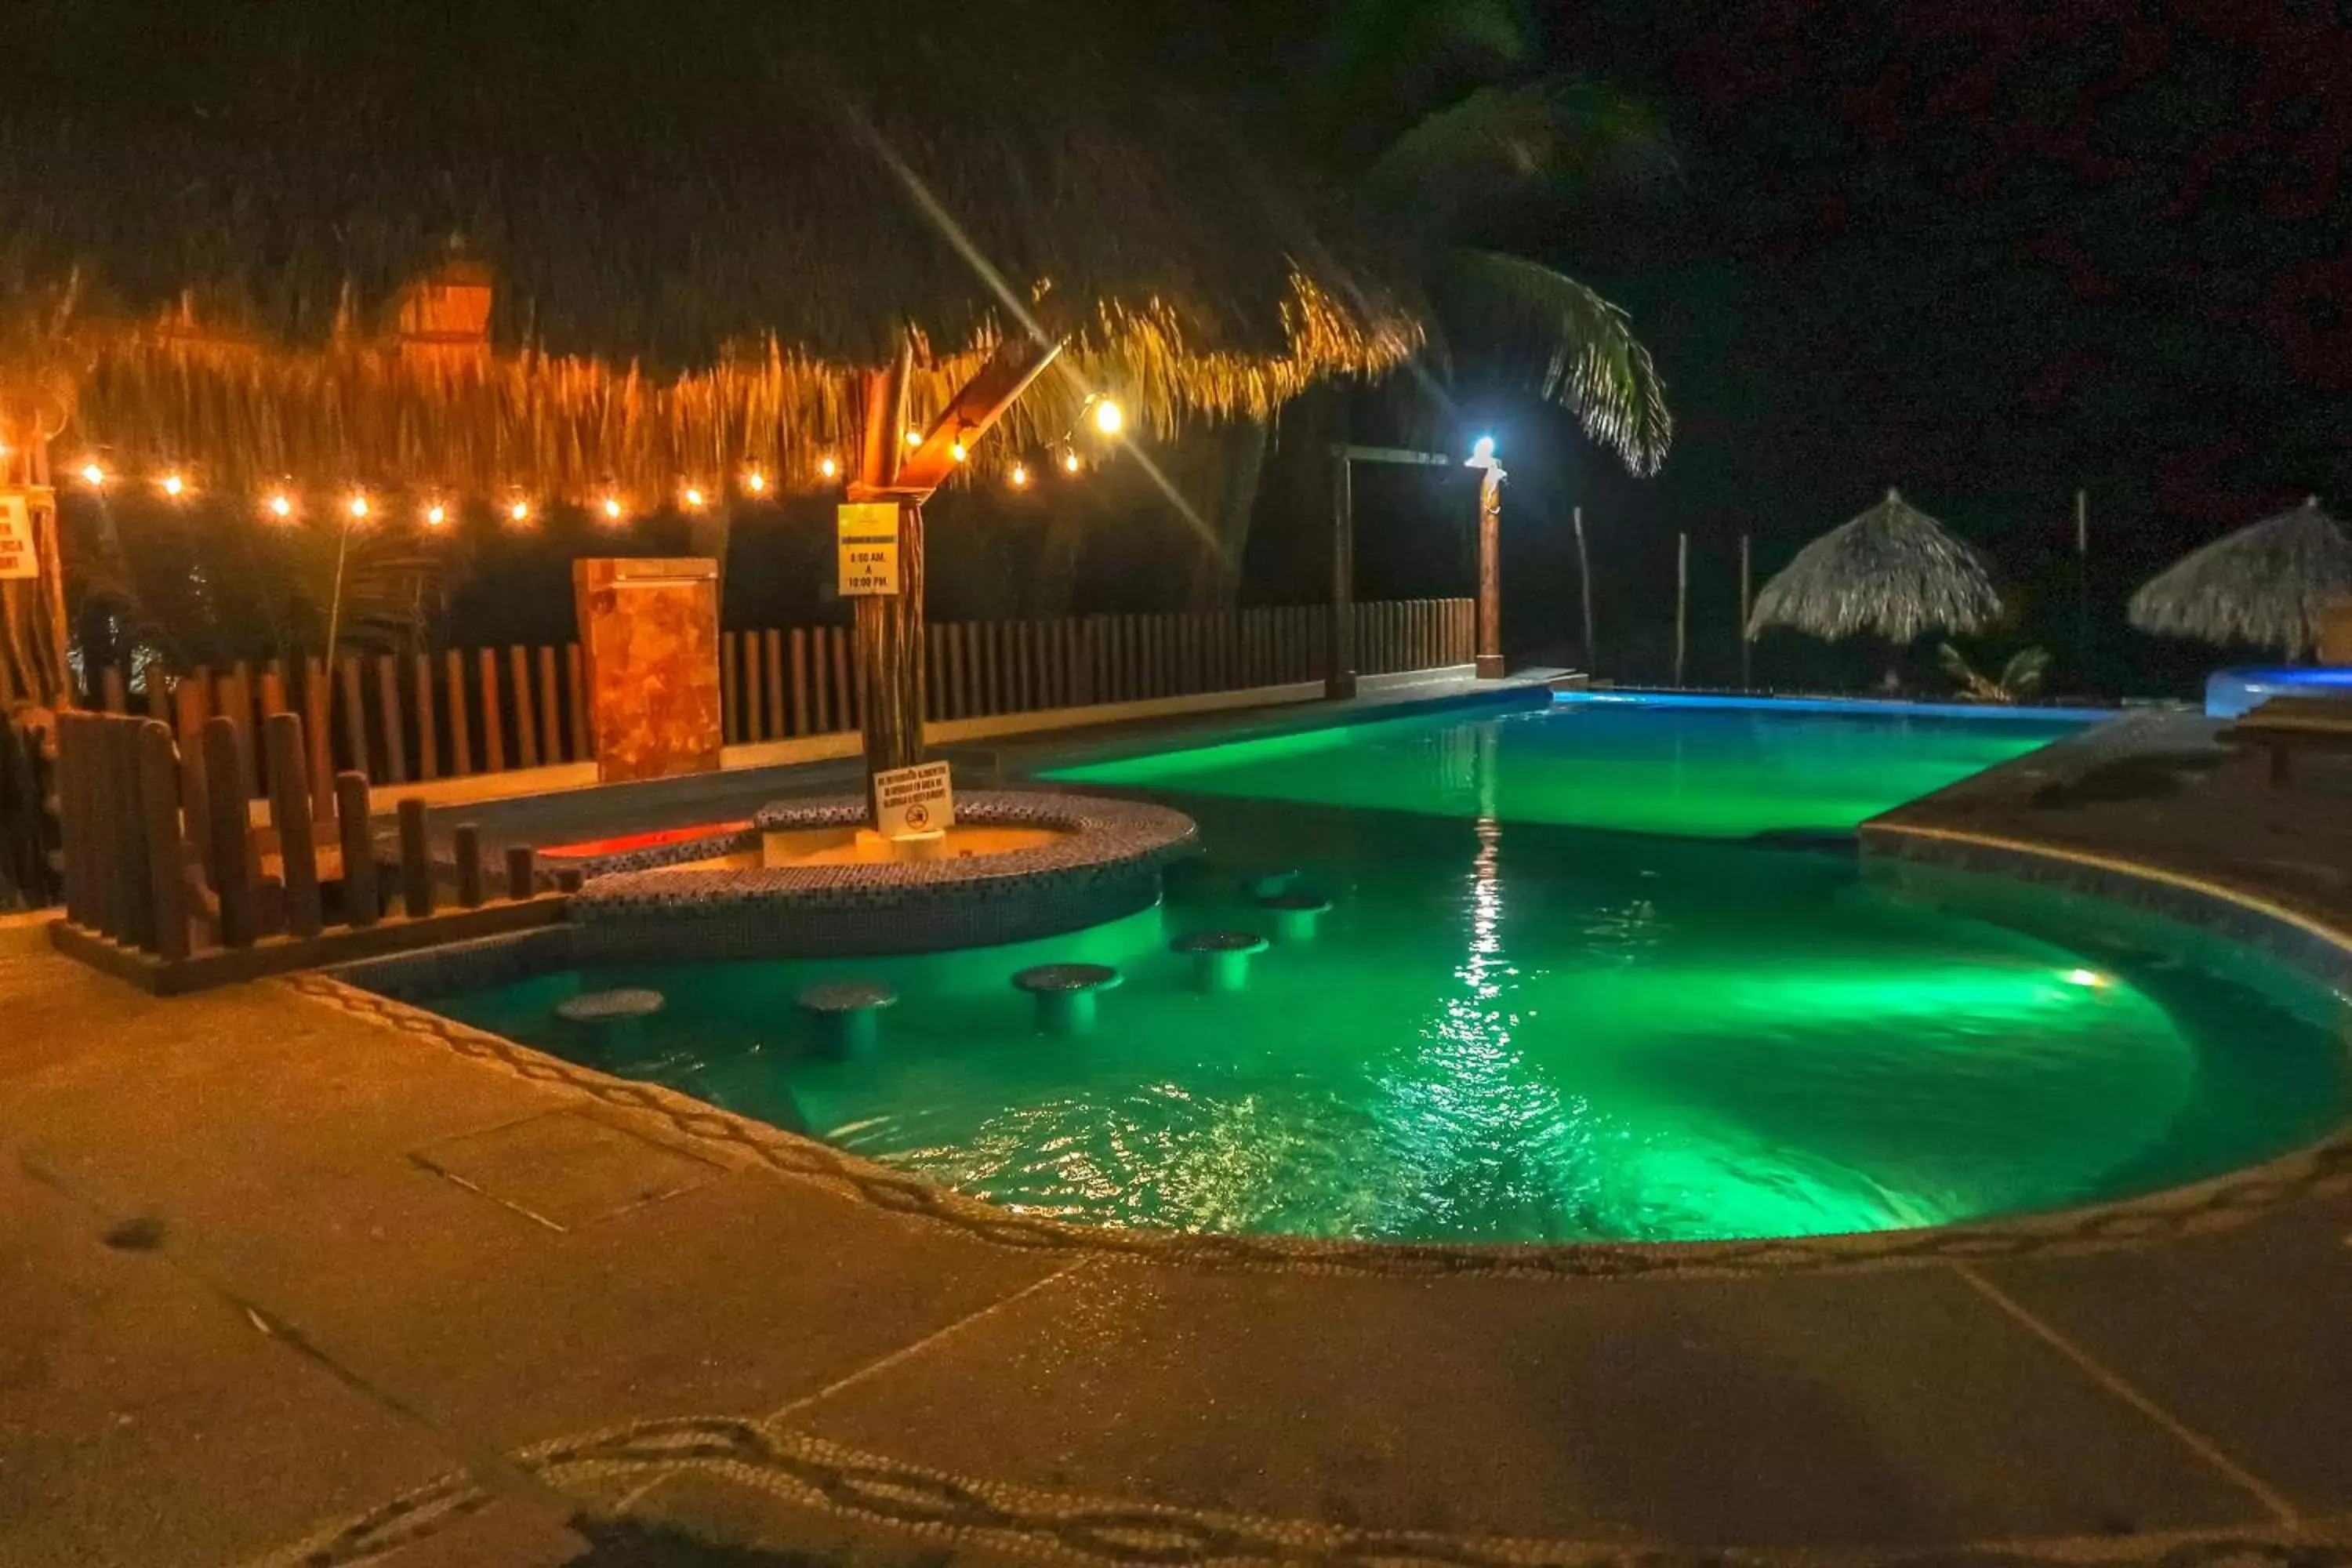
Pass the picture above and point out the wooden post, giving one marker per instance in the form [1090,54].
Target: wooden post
[799,640]
[361,906]
[494,744]
[466,845]
[415,862]
[551,707]
[225,795]
[1746,643]
[1584,582]
[461,739]
[1490,575]
[1339,656]
[192,700]
[167,857]
[354,714]
[75,838]
[890,626]
[518,691]
[1682,601]
[771,654]
[289,815]
[238,705]
[747,649]
[317,703]
[522,879]
[428,737]
[836,644]
[395,744]
[127,833]
[732,727]
[575,669]
[116,692]
[2082,588]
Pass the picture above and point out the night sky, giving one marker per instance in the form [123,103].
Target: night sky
[1989,253]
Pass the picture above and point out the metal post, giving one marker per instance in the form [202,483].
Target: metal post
[1682,601]
[1584,581]
[1339,667]
[1746,643]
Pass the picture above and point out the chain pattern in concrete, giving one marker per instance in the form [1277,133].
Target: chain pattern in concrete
[2324,1169]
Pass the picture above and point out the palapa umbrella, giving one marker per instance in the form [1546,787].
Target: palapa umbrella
[2269,584]
[1893,571]
[586,248]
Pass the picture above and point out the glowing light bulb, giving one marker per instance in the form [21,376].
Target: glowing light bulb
[1069,462]
[91,474]
[956,450]
[1110,417]
[612,510]
[173,484]
[360,507]
[435,515]
[281,505]
[693,496]
[1483,447]
[1019,475]
[520,512]
[2090,977]
[827,466]
[755,481]
[914,437]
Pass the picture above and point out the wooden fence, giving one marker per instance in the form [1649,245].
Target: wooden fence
[402,717]
[169,883]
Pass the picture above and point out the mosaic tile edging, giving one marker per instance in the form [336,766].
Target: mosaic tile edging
[810,1472]
[2198,1209]
[1107,867]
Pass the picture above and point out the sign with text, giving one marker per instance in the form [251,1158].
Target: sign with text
[868,537]
[914,800]
[17,556]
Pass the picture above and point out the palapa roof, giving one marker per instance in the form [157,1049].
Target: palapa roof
[1893,571]
[699,220]
[2267,585]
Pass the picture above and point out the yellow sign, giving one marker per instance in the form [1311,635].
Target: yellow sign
[18,557]
[868,537]
[913,800]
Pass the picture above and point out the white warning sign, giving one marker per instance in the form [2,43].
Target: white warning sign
[913,800]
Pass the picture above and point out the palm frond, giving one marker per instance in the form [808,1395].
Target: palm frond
[1573,347]
[1501,138]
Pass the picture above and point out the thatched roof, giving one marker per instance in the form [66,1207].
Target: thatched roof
[1893,571]
[213,216]
[2267,585]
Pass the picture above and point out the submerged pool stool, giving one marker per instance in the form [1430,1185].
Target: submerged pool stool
[1296,914]
[1269,882]
[1220,958]
[608,1006]
[846,1013]
[1065,994]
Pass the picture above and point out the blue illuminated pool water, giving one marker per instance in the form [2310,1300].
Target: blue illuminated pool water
[1520,1023]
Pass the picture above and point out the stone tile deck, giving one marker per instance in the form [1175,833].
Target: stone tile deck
[289,1277]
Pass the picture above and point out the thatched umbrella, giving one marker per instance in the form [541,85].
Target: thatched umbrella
[2268,584]
[1893,571]
[265,240]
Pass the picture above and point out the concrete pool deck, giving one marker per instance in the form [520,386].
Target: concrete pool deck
[288,1274]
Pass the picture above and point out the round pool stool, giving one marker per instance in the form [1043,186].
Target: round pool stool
[1220,958]
[608,1006]
[846,1013]
[1296,914]
[1269,881]
[1065,994]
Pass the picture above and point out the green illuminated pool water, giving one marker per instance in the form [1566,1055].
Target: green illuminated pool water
[1516,1028]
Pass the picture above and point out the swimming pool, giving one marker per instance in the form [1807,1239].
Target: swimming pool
[1520,1022]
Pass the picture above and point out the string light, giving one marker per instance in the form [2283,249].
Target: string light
[173,484]
[435,515]
[693,496]
[520,512]
[92,475]
[1109,418]
[359,507]
[1019,475]
[827,466]
[755,481]
[956,450]
[1069,462]
[281,505]
[611,509]
[914,437]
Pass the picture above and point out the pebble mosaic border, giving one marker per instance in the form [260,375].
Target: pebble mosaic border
[1107,867]
[804,1471]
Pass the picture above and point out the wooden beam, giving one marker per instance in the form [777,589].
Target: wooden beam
[1356,453]
[972,413]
